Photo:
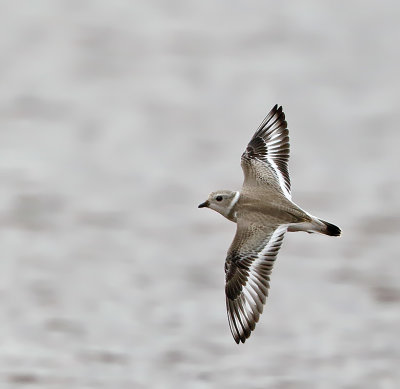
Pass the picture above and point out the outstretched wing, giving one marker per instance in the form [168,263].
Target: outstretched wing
[266,156]
[247,269]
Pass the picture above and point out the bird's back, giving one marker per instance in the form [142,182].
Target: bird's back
[264,205]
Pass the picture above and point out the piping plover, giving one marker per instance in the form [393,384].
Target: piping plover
[263,211]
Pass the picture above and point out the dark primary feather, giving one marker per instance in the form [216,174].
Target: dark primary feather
[270,144]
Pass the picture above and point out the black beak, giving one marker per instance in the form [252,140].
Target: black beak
[205,204]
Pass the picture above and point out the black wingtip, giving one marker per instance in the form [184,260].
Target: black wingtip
[276,109]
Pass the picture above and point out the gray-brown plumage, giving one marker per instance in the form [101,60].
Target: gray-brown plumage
[263,211]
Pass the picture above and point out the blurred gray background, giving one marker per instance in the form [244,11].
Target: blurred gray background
[117,120]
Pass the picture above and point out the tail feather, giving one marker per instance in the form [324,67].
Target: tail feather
[330,229]
[315,225]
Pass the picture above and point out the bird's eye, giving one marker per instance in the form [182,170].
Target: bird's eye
[218,198]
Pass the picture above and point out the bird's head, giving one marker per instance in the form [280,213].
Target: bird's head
[223,202]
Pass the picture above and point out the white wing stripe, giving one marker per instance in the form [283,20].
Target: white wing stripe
[280,178]
[275,237]
[273,243]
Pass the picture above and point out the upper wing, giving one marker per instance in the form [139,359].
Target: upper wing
[247,269]
[267,153]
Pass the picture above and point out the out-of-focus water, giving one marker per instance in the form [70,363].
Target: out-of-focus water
[118,118]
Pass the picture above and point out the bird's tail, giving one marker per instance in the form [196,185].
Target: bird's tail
[327,228]
[315,225]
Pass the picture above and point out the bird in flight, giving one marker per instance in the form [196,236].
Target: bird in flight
[263,211]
